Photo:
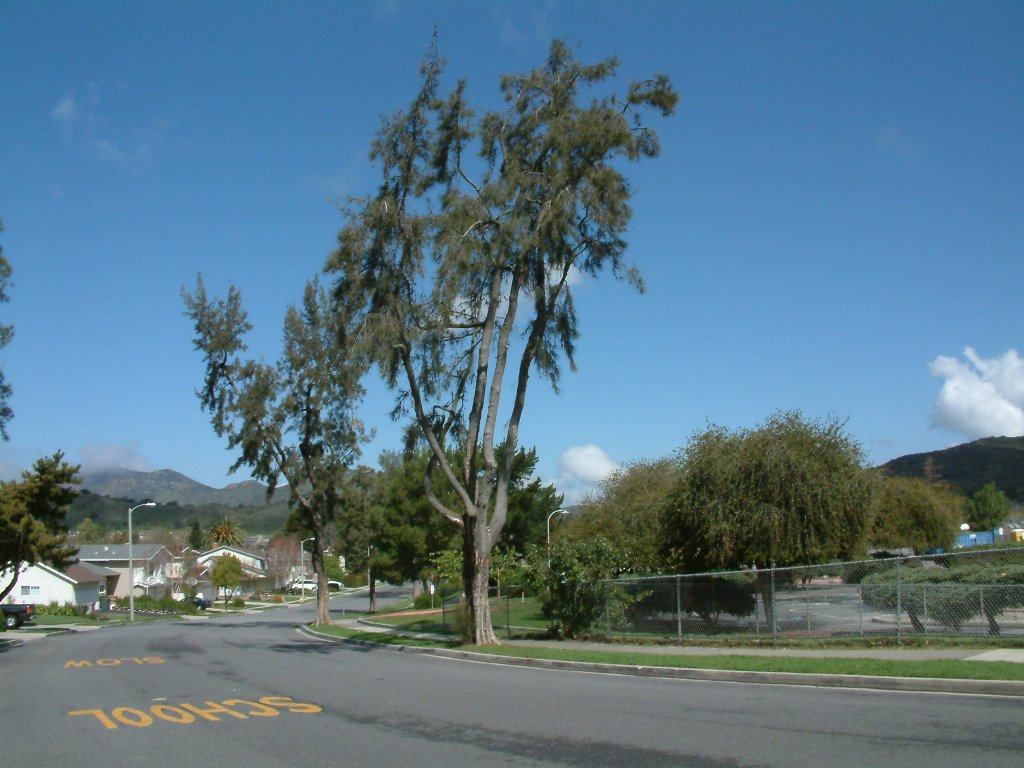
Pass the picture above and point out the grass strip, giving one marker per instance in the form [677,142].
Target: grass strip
[950,669]
[947,669]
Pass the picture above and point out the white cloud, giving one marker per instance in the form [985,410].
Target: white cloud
[581,468]
[84,115]
[980,398]
[66,110]
[109,456]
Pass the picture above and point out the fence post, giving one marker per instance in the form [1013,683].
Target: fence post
[608,607]
[981,604]
[808,588]
[443,624]
[679,607]
[775,608]
[508,618]
[860,607]
[924,601]
[899,603]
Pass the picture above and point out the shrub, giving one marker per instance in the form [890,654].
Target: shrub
[54,608]
[237,602]
[354,580]
[575,581]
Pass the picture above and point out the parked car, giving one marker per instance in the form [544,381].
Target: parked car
[200,602]
[16,614]
[309,585]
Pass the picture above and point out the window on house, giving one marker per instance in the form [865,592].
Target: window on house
[27,590]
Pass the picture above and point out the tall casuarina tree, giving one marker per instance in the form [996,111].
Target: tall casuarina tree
[295,420]
[457,271]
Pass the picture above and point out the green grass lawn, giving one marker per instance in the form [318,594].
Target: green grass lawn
[951,669]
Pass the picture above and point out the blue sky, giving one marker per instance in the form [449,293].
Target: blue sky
[834,224]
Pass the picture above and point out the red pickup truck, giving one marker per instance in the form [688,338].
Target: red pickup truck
[16,614]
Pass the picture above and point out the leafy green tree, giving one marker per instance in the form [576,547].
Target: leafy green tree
[196,537]
[227,574]
[6,333]
[32,515]
[626,510]
[460,268]
[911,512]
[575,578]
[988,509]
[295,420]
[791,492]
[225,533]
[88,532]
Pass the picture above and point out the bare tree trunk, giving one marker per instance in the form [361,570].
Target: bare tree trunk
[475,571]
[323,595]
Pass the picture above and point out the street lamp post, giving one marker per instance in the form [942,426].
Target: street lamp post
[131,563]
[556,512]
[302,565]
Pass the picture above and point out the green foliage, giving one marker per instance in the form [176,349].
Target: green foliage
[148,604]
[576,583]
[627,512]
[227,573]
[710,596]
[989,508]
[225,532]
[408,528]
[911,512]
[790,492]
[32,516]
[196,538]
[447,566]
[53,608]
[294,420]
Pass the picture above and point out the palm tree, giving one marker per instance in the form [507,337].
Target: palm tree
[225,532]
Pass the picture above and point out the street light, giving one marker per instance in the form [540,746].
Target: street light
[131,564]
[556,512]
[302,565]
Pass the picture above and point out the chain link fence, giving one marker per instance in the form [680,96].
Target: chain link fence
[971,593]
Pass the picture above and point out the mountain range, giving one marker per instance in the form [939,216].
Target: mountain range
[166,485]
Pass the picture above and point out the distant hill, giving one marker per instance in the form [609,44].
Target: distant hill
[998,460]
[166,485]
[106,496]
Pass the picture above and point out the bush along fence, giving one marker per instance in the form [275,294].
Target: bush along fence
[961,594]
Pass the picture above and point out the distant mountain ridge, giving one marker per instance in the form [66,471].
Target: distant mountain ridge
[969,466]
[166,485]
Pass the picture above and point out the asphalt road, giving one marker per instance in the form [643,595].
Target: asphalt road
[252,691]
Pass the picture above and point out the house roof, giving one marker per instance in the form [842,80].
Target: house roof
[109,552]
[228,550]
[83,574]
[95,572]
[76,573]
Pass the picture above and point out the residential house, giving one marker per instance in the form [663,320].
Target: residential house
[150,562]
[255,568]
[82,584]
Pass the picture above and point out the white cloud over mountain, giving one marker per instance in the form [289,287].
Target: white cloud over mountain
[980,397]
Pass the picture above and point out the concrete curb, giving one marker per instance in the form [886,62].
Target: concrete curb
[865,682]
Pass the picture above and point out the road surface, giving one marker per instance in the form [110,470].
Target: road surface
[252,691]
